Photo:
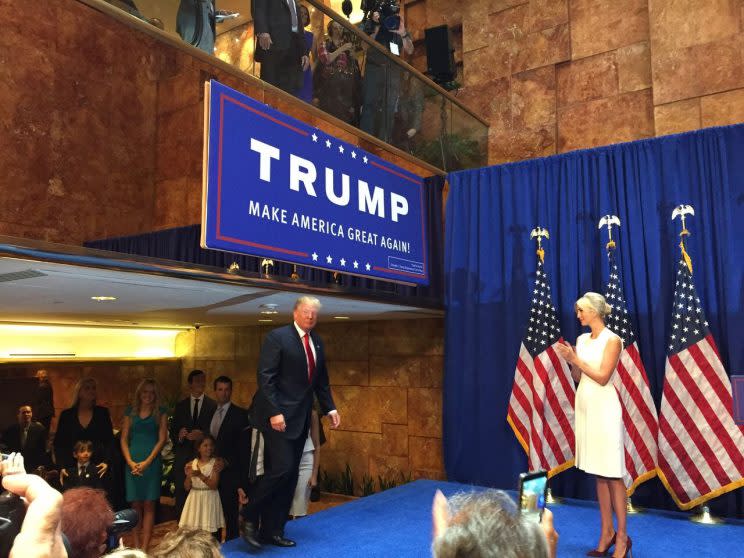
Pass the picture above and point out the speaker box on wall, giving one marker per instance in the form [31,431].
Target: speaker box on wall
[440,56]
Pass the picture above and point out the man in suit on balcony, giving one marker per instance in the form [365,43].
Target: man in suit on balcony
[281,44]
[291,370]
[28,438]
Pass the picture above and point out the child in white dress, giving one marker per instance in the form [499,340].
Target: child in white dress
[203,509]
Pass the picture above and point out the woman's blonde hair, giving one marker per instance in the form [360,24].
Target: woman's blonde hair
[137,403]
[596,302]
[187,543]
[78,386]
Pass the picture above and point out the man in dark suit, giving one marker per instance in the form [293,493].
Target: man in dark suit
[281,44]
[191,419]
[291,368]
[227,425]
[28,438]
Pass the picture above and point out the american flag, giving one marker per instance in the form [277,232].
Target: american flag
[701,449]
[639,412]
[542,398]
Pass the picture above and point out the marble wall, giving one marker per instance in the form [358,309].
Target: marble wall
[386,378]
[116,381]
[102,125]
[556,75]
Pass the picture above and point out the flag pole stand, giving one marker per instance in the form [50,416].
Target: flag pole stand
[631,509]
[550,499]
[705,517]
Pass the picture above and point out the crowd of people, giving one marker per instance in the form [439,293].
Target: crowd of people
[339,73]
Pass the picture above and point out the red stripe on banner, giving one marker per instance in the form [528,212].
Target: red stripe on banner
[648,417]
[268,117]
[696,437]
[555,404]
[724,393]
[396,173]
[673,479]
[535,440]
[638,443]
[633,392]
[550,438]
[684,458]
[732,449]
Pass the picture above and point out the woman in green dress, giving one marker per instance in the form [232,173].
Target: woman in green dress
[143,435]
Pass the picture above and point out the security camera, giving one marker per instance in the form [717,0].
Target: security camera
[197,326]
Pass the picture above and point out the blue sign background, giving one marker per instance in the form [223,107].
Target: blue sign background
[246,214]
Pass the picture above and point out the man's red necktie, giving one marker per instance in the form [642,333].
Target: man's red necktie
[310,358]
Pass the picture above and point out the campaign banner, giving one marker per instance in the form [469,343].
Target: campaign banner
[275,187]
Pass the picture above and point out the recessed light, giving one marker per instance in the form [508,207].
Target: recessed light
[266,321]
[103,298]
[341,318]
[269,309]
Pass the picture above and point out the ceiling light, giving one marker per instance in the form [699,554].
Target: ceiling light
[268,309]
[265,321]
[341,317]
[103,298]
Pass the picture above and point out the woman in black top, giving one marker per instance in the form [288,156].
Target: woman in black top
[84,420]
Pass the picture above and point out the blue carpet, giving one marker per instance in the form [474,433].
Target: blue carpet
[397,522]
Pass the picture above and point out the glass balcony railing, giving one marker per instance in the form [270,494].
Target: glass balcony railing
[352,75]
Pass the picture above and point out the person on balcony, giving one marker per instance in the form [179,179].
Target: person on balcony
[338,81]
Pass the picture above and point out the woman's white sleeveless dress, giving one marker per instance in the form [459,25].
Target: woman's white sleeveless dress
[598,415]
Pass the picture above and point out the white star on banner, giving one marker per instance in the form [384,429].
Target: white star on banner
[343,262]
[328,143]
[340,148]
[315,137]
[368,267]
[353,154]
[365,159]
[329,259]
[356,264]
[315,257]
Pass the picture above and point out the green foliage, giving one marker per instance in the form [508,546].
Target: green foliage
[386,482]
[459,152]
[328,482]
[346,485]
[167,483]
[368,485]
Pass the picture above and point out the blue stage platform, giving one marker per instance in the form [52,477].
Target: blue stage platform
[397,523]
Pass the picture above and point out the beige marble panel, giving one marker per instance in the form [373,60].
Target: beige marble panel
[678,24]
[430,372]
[542,48]
[722,109]
[534,98]
[349,341]
[488,63]
[364,409]
[606,121]
[393,371]
[518,144]
[544,14]
[590,78]
[216,343]
[407,337]
[633,67]
[698,70]
[425,412]
[348,372]
[603,25]
[394,440]
[491,101]
[425,453]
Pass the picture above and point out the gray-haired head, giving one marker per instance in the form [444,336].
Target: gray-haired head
[596,302]
[307,300]
[487,525]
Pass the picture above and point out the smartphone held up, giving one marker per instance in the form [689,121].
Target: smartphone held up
[532,490]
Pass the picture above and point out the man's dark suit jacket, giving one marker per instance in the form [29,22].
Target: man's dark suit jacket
[89,479]
[273,17]
[229,435]
[184,450]
[34,451]
[283,386]
[182,419]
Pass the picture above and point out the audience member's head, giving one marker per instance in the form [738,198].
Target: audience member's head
[222,390]
[187,543]
[82,451]
[85,391]
[42,376]
[127,553]
[85,517]
[197,382]
[486,525]
[25,415]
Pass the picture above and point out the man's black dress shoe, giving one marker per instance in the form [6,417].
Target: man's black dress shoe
[278,540]
[249,535]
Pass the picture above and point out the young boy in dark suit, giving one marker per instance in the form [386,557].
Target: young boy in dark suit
[83,473]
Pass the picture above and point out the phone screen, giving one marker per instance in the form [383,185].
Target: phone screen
[532,487]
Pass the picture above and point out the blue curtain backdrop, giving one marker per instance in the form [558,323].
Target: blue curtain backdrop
[490,268]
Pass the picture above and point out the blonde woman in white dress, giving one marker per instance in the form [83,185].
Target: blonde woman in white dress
[599,419]
[203,508]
